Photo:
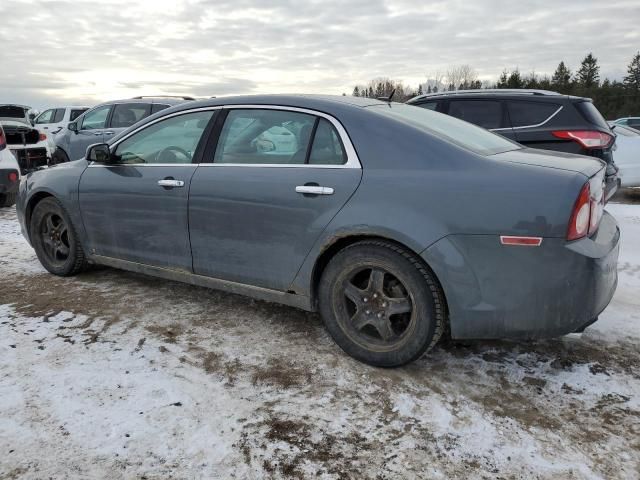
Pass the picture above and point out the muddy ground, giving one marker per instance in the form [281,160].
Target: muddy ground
[116,375]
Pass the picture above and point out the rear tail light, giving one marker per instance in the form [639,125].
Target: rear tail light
[587,138]
[12,177]
[42,137]
[3,140]
[588,209]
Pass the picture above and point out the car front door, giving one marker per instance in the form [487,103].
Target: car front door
[277,178]
[135,207]
[90,130]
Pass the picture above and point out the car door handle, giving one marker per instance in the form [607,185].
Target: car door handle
[314,190]
[108,133]
[97,134]
[168,182]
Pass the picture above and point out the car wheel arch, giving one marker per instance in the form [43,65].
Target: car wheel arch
[31,205]
[338,244]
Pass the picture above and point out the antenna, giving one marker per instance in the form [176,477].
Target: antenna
[388,99]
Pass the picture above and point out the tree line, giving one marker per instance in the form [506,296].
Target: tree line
[613,98]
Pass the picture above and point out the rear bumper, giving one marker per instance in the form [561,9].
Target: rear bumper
[496,291]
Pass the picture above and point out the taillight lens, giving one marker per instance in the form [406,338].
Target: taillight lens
[42,137]
[586,138]
[3,140]
[12,177]
[588,209]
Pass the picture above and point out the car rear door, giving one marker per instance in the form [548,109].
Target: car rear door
[530,121]
[257,208]
[135,208]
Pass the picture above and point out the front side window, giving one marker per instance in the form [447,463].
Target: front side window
[127,114]
[256,136]
[46,116]
[448,128]
[428,105]
[484,113]
[96,119]
[524,114]
[173,140]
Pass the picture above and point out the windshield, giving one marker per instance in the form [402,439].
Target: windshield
[15,112]
[461,133]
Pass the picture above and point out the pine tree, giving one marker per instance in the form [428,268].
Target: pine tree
[561,80]
[502,81]
[588,75]
[632,81]
[356,91]
[515,80]
[420,89]
[429,89]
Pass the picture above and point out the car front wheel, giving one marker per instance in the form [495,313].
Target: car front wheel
[55,240]
[381,304]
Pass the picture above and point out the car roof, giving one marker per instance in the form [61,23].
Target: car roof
[145,99]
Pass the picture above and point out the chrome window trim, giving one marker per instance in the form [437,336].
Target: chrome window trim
[352,157]
[529,126]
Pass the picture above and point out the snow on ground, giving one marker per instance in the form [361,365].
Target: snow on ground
[116,375]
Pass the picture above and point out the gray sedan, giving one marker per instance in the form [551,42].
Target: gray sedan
[396,223]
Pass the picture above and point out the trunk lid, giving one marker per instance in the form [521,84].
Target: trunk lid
[588,166]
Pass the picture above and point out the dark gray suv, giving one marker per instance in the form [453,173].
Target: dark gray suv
[104,121]
[392,221]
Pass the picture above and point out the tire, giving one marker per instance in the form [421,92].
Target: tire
[380,304]
[55,239]
[8,199]
[59,156]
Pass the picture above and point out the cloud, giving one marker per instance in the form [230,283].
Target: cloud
[61,51]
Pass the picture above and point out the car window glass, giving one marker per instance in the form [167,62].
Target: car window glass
[625,132]
[634,122]
[326,148]
[76,113]
[96,119]
[428,105]
[258,136]
[484,113]
[127,114]
[448,128]
[59,116]
[591,114]
[173,140]
[46,116]
[524,113]
[156,107]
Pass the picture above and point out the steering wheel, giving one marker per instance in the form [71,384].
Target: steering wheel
[171,155]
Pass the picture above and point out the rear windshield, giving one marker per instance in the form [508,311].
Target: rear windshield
[461,133]
[12,111]
[591,114]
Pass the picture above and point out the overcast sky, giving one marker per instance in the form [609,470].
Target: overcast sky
[55,52]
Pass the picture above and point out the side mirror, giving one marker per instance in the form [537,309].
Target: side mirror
[98,153]
[73,126]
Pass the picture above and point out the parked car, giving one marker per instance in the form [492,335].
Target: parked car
[9,173]
[395,222]
[535,118]
[53,120]
[627,154]
[31,147]
[632,122]
[105,121]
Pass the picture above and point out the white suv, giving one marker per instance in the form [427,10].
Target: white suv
[54,120]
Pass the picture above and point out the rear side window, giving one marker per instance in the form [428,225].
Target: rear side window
[484,113]
[525,114]
[327,148]
[76,113]
[127,114]
[59,115]
[634,122]
[591,114]
[256,136]
[156,107]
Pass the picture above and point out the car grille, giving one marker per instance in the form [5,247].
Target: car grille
[30,158]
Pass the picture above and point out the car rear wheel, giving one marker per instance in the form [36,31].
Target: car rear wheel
[7,199]
[381,304]
[55,240]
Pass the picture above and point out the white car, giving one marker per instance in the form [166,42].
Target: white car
[9,174]
[31,147]
[632,122]
[626,154]
[53,120]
